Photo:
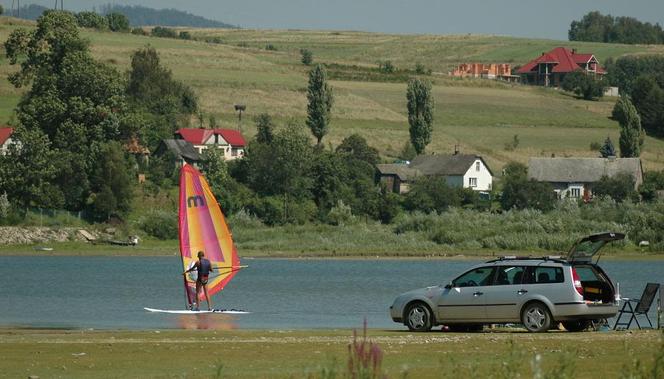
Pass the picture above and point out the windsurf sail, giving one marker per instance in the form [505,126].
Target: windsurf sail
[202,227]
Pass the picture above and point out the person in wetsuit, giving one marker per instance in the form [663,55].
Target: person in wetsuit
[204,267]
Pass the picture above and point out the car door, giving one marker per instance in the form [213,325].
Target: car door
[503,298]
[463,299]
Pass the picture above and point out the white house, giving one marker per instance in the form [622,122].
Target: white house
[459,170]
[5,139]
[231,141]
[574,177]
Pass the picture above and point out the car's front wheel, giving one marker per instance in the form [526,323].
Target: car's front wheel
[418,318]
[576,325]
[536,317]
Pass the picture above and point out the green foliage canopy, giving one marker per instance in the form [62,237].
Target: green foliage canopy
[321,99]
[631,134]
[420,113]
[521,193]
[583,85]
[596,27]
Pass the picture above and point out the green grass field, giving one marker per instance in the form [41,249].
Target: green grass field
[222,352]
[480,116]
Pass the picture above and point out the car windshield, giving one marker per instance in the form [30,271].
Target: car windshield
[476,277]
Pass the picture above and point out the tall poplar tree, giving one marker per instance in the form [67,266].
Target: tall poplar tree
[420,113]
[320,99]
[631,133]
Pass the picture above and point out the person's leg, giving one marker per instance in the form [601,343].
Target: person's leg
[198,292]
[207,297]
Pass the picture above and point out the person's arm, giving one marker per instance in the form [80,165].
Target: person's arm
[191,268]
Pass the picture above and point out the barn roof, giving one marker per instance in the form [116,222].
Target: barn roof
[400,170]
[182,148]
[582,170]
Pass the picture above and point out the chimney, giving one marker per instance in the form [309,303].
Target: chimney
[456,149]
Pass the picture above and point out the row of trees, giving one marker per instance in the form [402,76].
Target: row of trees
[113,21]
[76,117]
[596,27]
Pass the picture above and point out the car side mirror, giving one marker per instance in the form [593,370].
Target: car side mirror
[448,286]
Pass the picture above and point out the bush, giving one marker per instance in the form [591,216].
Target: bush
[185,35]
[307,57]
[386,67]
[117,22]
[341,215]
[91,20]
[583,85]
[270,47]
[160,224]
[139,32]
[162,32]
[595,146]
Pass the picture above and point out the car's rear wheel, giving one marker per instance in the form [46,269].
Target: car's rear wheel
[576,325]
[418,317]
[536,317]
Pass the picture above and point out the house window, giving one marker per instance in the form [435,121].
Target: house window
[477,166]
[472,182]
[575,192]
[234,152]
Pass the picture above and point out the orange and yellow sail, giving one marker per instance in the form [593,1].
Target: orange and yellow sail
[203,227]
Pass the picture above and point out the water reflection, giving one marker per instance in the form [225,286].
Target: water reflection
[204,321]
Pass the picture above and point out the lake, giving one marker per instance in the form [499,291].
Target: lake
[110,292]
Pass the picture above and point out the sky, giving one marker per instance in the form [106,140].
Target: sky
[520,18]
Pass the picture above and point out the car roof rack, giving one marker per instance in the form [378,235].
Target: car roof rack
[553,258]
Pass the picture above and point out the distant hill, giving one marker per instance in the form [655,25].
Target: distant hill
[28,12]
[139,16]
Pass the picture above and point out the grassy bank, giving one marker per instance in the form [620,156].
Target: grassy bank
[308,354]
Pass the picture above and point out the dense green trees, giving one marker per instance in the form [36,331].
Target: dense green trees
[320,97]
[596,27]
[619,187]
[87,19]
[158,100]
[420,113]
[521,193]
[583,85]
[631,134]
[76,116]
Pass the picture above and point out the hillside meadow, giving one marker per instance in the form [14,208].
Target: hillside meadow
[478,115]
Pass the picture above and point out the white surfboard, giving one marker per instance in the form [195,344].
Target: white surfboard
[190,312]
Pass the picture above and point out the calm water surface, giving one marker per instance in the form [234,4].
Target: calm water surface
[110,292]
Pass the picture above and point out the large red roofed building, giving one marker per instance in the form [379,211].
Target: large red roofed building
[231,141]
[5,139]
[549,69]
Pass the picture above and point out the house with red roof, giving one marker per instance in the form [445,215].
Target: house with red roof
[549,69]
[231,141]
[6,139]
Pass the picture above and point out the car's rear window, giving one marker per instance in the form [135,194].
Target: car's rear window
[544,274]
[586,274]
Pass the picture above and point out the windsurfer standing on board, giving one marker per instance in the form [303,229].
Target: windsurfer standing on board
[204,267]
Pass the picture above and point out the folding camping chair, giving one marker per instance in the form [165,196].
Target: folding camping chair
[641,309]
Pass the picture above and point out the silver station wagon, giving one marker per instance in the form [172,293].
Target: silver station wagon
[536,292]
